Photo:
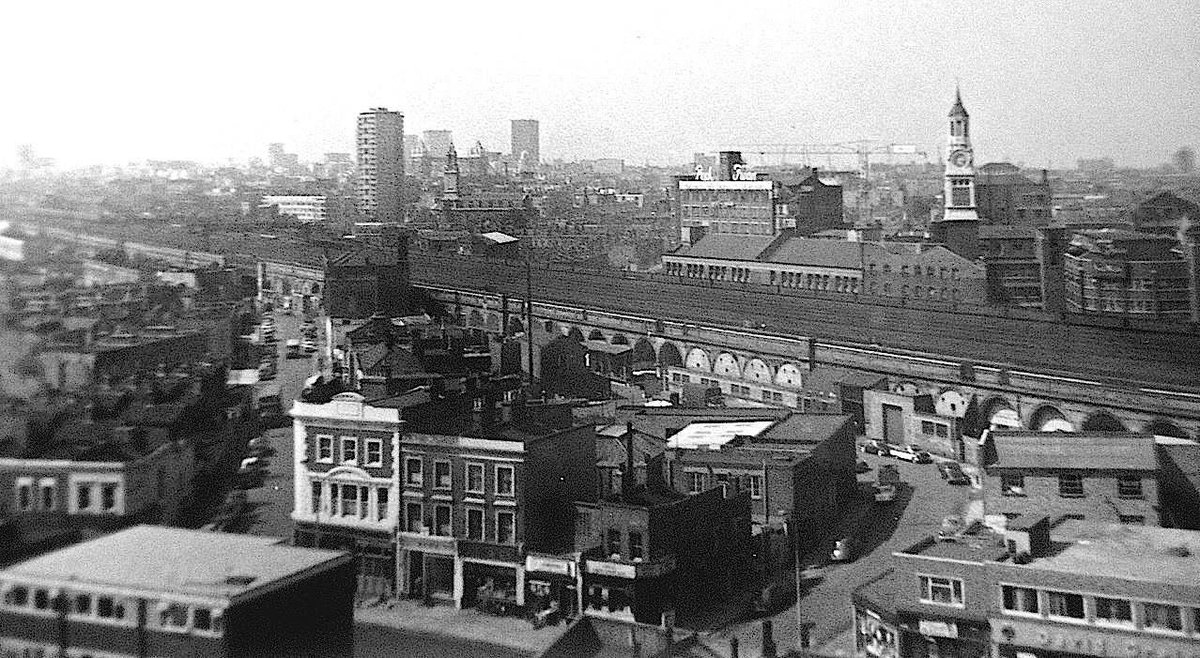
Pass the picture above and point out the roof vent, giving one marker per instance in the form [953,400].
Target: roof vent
[240,581]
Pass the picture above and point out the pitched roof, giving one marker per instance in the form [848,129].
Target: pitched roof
[820,253]
[1127,451]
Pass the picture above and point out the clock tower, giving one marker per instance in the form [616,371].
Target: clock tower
[958,229]
[959,189]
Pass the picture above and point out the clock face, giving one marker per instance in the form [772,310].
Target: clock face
[960,158]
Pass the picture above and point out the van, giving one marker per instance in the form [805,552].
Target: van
[920,457]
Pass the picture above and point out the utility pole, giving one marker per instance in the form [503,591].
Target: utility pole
[529,315]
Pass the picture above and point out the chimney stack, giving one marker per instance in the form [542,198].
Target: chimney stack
[628,477]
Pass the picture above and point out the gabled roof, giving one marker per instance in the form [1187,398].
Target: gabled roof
[730,247]
[1126,451]
[820,253]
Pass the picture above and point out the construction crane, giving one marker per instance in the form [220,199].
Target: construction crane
[863,150]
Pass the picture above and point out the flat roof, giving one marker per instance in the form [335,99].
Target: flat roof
[1129,552]
[714,435]
[188,562]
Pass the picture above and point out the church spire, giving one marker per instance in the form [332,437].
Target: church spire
[958,110]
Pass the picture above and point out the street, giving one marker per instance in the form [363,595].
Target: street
[269,508]
[880,530]
[372,641]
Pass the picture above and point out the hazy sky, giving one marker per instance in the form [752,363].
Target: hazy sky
[1045,82]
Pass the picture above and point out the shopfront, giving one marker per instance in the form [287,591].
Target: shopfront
[427,568]
[552,586]
[640,592]
[944,637]
[875,637]
[492,577]
[1018,638]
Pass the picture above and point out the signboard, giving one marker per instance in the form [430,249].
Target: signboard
[601,568]
[931,628]
[493,552]
[427,543]
[1091,642]
[547,564]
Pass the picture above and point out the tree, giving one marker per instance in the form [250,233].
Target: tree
[1184,160]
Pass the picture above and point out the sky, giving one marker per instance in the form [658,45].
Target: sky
[1045,82]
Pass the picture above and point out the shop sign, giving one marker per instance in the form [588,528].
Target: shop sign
[656,568]
[546,564]
[1088,642]
[483,551]
[427,543]
[602,568]
[930,628]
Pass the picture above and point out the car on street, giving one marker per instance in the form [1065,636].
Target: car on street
[843,550]
[953,473]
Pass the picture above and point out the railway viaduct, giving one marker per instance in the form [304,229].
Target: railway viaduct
[759,360]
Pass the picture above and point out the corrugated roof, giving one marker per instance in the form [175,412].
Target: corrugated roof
[1084,450]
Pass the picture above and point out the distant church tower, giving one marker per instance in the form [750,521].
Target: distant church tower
[958,228]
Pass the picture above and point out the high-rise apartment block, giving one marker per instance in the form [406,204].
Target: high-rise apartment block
[526,140]
[380,164]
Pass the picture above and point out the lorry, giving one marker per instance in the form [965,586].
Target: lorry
[887,482]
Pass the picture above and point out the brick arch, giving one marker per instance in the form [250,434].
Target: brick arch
[998,412]
[757,370]
[1049,418]
[789,375]
[515,325]
[697,359]
[668,355]
[726,364]
[643,352]
[1102,421]
[1164,427]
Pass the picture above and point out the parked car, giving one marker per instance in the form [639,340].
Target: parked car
[921,457]
[954,474]
[843,550]
[875,448]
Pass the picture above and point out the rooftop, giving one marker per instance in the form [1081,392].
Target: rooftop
[714,435]
[1075,450]
[1128,552]
[160,559]
[730,247]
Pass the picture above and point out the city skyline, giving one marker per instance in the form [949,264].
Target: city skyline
[647,84]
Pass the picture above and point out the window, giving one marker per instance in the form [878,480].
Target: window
[442,521]
[1113,611]
[943,431]
[441,475]
[49,497]
[412,517]
[324,448]
[349,500]
[349,449]
[41,599]
[1070,485]
[1132,519]
[612,545]
[173,615]
[334,499]
[202,619]
[756,485]
[381,504]
[1012,484]
[695,482]
[927,428]
[504,480]
[316,496]
[946,591]
[412,472]
[83,604]
[475,478]
[83,497]
[1129,485]
[25,496]
[108,497]
[1163,617]
[1063,604]
[506,527]
[636,551]
[17,596]
[475,524]
[1020,599]
[363,506]
[374,452]
[109,608]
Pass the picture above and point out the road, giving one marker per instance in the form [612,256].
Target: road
[269,507]
[880,530]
